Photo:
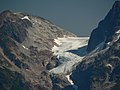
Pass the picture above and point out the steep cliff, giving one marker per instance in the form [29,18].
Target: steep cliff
[100,69]
[106,28]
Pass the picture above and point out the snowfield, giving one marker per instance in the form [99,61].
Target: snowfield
[68,59]
[69,43]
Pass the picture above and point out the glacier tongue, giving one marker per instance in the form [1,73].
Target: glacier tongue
[68,59]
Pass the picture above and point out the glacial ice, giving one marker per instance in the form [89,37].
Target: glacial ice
[67,59]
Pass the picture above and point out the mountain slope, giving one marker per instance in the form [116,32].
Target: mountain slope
[100,71]
[25,50]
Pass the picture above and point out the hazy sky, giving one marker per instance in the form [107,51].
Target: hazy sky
[77,16]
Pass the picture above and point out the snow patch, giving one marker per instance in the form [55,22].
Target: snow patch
[108,43]
[24,47]
[25,17]
[68,77]
[118,31]
[118,36]
[109,65]
[14,13]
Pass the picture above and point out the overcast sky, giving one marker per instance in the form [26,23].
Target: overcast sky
[77,16]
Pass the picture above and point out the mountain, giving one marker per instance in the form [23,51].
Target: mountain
[35,54]
[26,55]
[106,28]
[100,68]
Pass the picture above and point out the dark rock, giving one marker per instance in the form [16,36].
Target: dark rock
[101,70]
[106,28]
[59,82]
[12,80]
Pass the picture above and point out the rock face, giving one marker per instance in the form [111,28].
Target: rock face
[100,69]
[106,28]
[25,51]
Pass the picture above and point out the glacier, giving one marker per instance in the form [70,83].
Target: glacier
[68,59]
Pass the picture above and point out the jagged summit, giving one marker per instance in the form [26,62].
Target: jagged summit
[106,28]
[115,10]
[116,6]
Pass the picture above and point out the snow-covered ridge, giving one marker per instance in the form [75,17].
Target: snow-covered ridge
[24,47]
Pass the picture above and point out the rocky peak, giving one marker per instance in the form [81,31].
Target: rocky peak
[106,28]
[116,7]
